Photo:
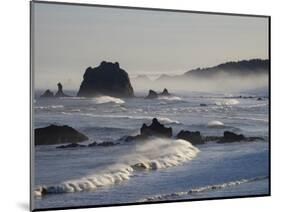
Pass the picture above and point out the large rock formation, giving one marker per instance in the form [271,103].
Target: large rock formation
[106,79]
[193,137]
[54,134]
[60,92]
[155,129]
[47,93]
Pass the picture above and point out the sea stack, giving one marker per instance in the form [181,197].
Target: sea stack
[47,93]
[106,79]
[60,91]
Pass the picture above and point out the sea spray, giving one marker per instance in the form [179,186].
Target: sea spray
[108,99]
[152,154]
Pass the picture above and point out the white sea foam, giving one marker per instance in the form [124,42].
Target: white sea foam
[163,120]
[215,123]
[152,154]
[49,107]
[108,99]
[170,98]
[227,102]
[201,189]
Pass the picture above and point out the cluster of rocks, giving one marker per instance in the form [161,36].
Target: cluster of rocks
[54,134]
[48,93]
[153,94]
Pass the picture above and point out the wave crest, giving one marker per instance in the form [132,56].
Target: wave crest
[152,154]
[108,99]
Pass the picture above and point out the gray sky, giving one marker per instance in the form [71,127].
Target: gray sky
[68,39]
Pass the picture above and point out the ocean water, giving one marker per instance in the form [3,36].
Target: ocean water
[157,169]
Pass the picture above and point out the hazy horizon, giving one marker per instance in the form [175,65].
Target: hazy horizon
[68,39]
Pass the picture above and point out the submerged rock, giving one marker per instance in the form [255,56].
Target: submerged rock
[72,145]
[106,79]
[105,143]
[47,93]
[193,137]
[54,134]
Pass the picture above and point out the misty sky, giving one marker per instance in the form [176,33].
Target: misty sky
[68,39]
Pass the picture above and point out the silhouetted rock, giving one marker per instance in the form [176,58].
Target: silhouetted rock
[54,134]
[165,92]
[60,91]
[259,99]
[72,145]
[155,129]
[152,95]
[47,93]
[106,79]
[229,137]
[193,137]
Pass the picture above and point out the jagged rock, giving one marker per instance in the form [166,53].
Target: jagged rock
[60,92]
[152,95]
[165,92]
[106,79]
[54,134]
[193,137]
[155,129]
[72,145]
[47,93]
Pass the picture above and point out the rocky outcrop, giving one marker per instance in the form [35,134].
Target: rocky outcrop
[229,137]
[47,93]
[193,137]
[165,92]
[155,129]
[105,143]
[60,92]
[54,134]
[153,94]
[106,79]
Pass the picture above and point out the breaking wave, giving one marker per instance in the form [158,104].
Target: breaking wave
[170,98]
[176,195]
[108,99]
[215,124]
[163,120]
[152,154]
[49,107]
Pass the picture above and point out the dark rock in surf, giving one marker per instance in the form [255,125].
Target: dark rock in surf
[72,145]
[152,95]
[60,92]
[203,105]
[156,129]
[105,143]
[229,137]
[47,93]
[193,137]
[106,79]
[54,134]
[165,92]
[259,99]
